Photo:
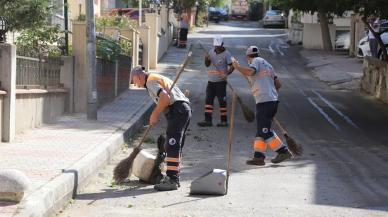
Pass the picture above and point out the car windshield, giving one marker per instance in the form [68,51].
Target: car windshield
[273,13]
[384,25]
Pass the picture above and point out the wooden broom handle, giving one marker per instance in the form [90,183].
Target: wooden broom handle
[230,139]
[180,70]
[144,136]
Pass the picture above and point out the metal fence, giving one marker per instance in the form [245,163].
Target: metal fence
[112,78]
[38,73]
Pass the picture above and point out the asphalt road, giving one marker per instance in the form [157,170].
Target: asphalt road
[343,171]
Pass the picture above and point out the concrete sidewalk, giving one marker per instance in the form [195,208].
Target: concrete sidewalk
[338,70]
[60,158]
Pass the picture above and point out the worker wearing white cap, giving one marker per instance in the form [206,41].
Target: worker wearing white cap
[219,66]
[264,84]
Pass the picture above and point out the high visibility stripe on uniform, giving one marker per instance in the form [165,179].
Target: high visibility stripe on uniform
[224,113]
[174,168]
[163,81]
[223,109]
[215,72]
[209,106]
[259,144]
[173,159]
[208,111]
[274,142]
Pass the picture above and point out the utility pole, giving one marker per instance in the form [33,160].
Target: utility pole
[91,61]
[140,12]
[66,15]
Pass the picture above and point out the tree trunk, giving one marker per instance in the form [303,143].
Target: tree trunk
[327,46]
[378,38]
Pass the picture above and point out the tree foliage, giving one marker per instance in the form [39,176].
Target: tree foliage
[373,8]
[324,8]
[40,41]
[23,14]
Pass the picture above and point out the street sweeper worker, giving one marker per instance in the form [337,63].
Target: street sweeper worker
[264,85]
[219,66]
[177,110]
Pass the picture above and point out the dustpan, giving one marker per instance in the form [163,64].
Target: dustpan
[216,181]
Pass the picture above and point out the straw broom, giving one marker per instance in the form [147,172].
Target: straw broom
[122,170]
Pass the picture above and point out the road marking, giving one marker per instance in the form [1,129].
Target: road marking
[303,93]
[323,113]
[346,118]
[277,47]
[271,49]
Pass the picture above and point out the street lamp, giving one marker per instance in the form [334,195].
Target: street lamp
[3,29]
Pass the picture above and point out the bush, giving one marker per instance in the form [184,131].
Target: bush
[114,21]
[40,41]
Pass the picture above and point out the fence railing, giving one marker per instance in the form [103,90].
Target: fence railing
[112,78]
[38,73]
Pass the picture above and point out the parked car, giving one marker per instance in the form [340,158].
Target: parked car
[274,18]
[218,14]
[134,14]
[342,41]
[363,44]
[120,11]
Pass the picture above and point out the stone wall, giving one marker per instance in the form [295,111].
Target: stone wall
[35,107]
[375,78]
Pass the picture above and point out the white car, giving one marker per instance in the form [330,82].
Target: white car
[274,18]
[364,49]
[343,41]
[363,45]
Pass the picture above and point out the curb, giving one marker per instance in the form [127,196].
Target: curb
[54,195]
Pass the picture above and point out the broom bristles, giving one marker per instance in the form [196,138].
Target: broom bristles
[121,171]
[248,114]
[295,148]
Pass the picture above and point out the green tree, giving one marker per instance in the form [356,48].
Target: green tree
[23,14]
[40,41]
[325,8]
[375,8]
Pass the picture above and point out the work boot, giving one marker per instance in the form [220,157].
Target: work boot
[222,124]
[258,161]
[167,184]
[280,157]
[205,124]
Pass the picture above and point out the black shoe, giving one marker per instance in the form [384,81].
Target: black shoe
[167,184]
[205,124]
[258,161]
[222,124]
[280,157]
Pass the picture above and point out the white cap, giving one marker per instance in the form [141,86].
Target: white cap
[252,50]
[217,40]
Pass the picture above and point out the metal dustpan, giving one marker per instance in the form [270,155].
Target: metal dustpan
[212,183]
[216,181]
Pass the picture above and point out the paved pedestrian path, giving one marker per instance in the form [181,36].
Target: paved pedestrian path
[44,153]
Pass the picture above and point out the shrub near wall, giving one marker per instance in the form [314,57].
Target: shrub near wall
[375,78]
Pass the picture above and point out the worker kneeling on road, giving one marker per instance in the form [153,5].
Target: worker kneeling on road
[178,114]
[264,85]
[218,61]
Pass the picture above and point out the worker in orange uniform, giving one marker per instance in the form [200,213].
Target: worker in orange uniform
[176,107]
[264,84]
